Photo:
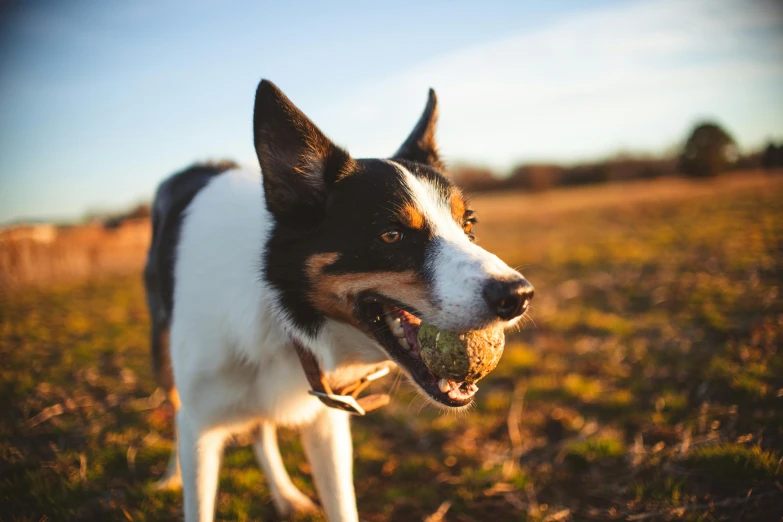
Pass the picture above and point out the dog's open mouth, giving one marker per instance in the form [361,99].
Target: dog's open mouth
[396,328]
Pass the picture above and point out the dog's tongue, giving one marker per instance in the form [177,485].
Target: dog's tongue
[465,357]
[410,324]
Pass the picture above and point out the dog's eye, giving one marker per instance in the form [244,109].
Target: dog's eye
[467,227]
[391,236]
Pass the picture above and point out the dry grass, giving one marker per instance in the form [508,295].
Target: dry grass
[46,254]
[649,388]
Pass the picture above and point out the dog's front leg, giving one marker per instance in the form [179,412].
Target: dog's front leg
[287,497]
[327,443]
[172,478]
[199,454]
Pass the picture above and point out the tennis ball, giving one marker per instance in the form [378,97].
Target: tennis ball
[463,357]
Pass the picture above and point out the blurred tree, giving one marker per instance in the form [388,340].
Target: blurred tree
[773,156]
[748,162]
[474,178]
[534,177]
[585,174]
[708,151]
[141,211]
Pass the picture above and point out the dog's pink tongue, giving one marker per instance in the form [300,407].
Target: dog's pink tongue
[410,324]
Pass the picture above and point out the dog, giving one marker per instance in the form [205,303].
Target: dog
[276,297]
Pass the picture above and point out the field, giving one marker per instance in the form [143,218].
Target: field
[647,384]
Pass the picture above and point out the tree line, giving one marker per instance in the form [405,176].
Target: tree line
[709,151]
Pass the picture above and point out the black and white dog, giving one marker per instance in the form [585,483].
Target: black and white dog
[281,294]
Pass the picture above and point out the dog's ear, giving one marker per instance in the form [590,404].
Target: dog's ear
[421,146]
[298,162]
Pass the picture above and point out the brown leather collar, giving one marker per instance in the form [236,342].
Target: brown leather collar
[345,398]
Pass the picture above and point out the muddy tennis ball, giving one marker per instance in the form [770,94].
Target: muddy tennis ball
[465,357]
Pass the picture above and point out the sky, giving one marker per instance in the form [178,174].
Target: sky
[99,101]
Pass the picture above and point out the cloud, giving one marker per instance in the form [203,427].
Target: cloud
[632,76]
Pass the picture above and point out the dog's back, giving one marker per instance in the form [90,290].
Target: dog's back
[171,199]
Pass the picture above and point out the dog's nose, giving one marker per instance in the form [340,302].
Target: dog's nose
[508,299]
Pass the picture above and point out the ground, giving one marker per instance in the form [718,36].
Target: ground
[647,384]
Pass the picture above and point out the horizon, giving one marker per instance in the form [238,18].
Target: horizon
[91,96]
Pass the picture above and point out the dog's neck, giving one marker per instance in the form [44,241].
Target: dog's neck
[340,395]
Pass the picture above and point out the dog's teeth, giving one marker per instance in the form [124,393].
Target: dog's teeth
[473,388]
[404,343]
[444,385]
[395,327]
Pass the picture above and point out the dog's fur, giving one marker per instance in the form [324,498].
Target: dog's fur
[318,250]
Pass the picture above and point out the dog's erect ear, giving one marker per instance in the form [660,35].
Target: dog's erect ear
[298,162]
[420,145]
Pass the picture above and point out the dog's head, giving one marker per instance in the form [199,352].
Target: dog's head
[379,244]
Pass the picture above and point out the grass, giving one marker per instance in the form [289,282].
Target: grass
[594,449]
[729,459]
[650,386]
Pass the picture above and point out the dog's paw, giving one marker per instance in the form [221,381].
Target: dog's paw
[172,477]
[169,481]
[295,502]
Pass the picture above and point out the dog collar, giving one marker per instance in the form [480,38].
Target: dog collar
[347,397]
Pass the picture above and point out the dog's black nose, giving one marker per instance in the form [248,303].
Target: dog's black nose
[508,299]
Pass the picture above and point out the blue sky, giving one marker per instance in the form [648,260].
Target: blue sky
[101,100]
